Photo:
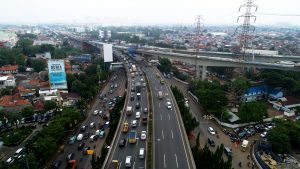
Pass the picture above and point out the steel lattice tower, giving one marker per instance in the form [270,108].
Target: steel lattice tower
[199,26]
[246,28]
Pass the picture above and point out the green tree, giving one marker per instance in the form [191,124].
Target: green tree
[253,111]
[44,148]
[240,85]
[279,140]
[5,91]
[38,65]
[49,105]
[165,65]
[27,111]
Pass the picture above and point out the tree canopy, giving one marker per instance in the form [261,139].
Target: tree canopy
[253,112]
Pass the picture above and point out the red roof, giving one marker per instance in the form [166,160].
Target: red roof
[13,101]
[9,67]
[38,105]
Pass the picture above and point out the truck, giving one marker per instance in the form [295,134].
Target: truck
[132,74]
[133,67]
[132,137]
[114,164]
[129,110]
[244,145]
[138,87]
[160,95]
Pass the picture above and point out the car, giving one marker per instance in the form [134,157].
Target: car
[145,110]
[133,123]
[84,151]
[86,135]
[137,105]
[95,112]
[264,134]
[211,131]
[79,137]
[83,128]
[10,160]
[116,85]
[125,127]
[122,142]
[92,125]
[111,91]
[132,97]
[93,138]
[56,164]
[211,142]
[70,157]
[169,105]
[138,115]
[132,89]
[144,120]
[81,145]
[71,164]
[128,162]
[143,135]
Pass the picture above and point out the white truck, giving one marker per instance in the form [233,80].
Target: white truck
[129,110]
[133,67]
[244,145]
[160,95]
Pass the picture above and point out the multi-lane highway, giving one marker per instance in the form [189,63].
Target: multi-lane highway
[170,149]
[132,149]
[83,160]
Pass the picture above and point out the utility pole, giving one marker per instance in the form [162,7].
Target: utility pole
[246,28]
[199,26]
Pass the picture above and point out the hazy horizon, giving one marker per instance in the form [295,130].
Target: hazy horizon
[142,12]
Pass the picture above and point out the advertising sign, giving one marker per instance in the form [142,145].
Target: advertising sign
[107,51]
[57,74]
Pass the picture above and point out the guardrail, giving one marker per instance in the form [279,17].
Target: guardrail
[186,142]
[108,157]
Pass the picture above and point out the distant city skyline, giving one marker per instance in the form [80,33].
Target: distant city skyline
[142,12]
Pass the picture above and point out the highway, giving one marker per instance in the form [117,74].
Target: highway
[83,161]
[169,149]
[120,153]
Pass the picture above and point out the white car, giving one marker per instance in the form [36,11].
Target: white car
[169,105]
[211,131]
[143,135]
[95,112]
[264,134]
[79,137]
[138,115]
[133,123]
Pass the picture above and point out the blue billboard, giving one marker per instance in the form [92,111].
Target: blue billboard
[57,74]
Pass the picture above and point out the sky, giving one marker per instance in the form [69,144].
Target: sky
[141,12]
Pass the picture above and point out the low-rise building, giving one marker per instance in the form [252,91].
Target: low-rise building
[255,93]
[14,103]
[69,99]
[46,55]
[9,69]
[7,81]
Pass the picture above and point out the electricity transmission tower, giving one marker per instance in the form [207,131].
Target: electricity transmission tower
[199,27]
[246,28]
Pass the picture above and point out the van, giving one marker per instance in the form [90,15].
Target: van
[138,96]
[138,115]
[142,153]
[128,162]
[19,152]
[227,151]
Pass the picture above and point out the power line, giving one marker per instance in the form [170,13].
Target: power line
[278,14]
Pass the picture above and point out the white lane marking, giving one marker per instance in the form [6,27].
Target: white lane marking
[120,164]
[160,117]
[134,165]
[137,141]
[172,133]
[176,160]
[169,116]
[162,134]
[159,105]
[140,121]
[165,161]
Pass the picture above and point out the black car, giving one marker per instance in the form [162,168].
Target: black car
[70,157]
[83,128]
[144,120]
[85,150]
[211,142]
[137,105]
[81,145]
[122,143]
[56,164]
[86,135]
[132,98]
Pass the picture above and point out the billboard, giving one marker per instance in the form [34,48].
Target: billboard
[107,51]
[57,74]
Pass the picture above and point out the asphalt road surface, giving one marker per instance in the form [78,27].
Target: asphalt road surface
[169,149]
[83,161]
[120,153]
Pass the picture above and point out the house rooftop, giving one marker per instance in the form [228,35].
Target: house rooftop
[9,67]
[256,89]
[12,101]
[290,100]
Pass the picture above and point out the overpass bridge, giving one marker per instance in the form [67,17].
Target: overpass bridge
[206,59]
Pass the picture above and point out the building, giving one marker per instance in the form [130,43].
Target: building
[276,94]
[101,34]
[69,99]
[44,42]
[8,40]
[108,34]
[7,81]
[46,55]
[68,67]
[84,58]
[286,104]
[9,69]
[13,103]
[25,92]
[255,93]
[261,52]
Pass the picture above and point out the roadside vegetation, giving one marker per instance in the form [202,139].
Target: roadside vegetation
[15,136]
[165,66]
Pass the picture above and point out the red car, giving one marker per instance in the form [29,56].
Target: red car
[71,164]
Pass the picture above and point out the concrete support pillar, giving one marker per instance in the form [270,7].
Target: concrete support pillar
[204,69]
[197,71]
